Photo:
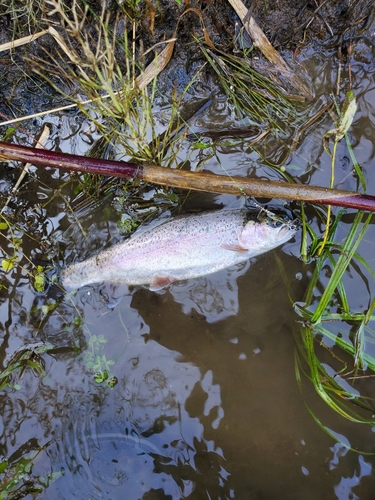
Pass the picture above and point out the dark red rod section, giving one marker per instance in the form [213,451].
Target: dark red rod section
[202,181]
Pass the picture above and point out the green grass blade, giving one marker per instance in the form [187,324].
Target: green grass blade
[345,346]
[348,250]
[357,167]
[340,285]
[318,374]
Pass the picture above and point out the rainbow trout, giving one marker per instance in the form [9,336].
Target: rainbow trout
[185,247]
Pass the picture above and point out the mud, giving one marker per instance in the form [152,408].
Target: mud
[295,28]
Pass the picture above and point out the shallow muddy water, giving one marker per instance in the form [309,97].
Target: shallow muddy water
[206,403]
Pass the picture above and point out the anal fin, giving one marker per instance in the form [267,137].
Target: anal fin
[160,282]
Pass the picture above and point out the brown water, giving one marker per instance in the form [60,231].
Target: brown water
[207,404]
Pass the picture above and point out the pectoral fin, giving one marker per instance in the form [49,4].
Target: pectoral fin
[160,282]
[234,248]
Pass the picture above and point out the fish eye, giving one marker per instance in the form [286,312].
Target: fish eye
[275,223]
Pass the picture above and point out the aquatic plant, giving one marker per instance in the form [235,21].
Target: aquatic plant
[334,378]
[318,314]
[98,363]
[16,479]
[253,94]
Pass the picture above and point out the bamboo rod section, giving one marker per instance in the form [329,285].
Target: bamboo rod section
[201,181]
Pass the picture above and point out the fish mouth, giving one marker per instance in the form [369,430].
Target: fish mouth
[284,222]
[284,228]
[276,220]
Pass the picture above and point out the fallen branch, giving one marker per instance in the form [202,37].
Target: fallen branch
[202,181]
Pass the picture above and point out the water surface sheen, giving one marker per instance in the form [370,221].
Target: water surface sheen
[207,404]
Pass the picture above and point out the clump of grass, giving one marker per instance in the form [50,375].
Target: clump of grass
[333,348]
[106,71]
[322,317]
[252,93]
[26,15]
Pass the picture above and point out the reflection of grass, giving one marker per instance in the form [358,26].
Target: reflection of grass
[28,357]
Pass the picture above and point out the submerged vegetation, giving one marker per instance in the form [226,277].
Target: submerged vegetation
[16,478]
[318,314]
[95,61]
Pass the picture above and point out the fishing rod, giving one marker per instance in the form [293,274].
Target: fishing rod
[200,181]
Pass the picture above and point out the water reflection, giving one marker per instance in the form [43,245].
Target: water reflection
[138,437]
[346,488]
[214,297]
[207,404]
[197,411]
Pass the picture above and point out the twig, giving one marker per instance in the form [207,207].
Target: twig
[321,15]
[40,144]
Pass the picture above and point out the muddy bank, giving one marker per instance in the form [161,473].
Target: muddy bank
[295,29]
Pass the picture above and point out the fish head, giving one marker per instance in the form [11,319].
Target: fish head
[259,236]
